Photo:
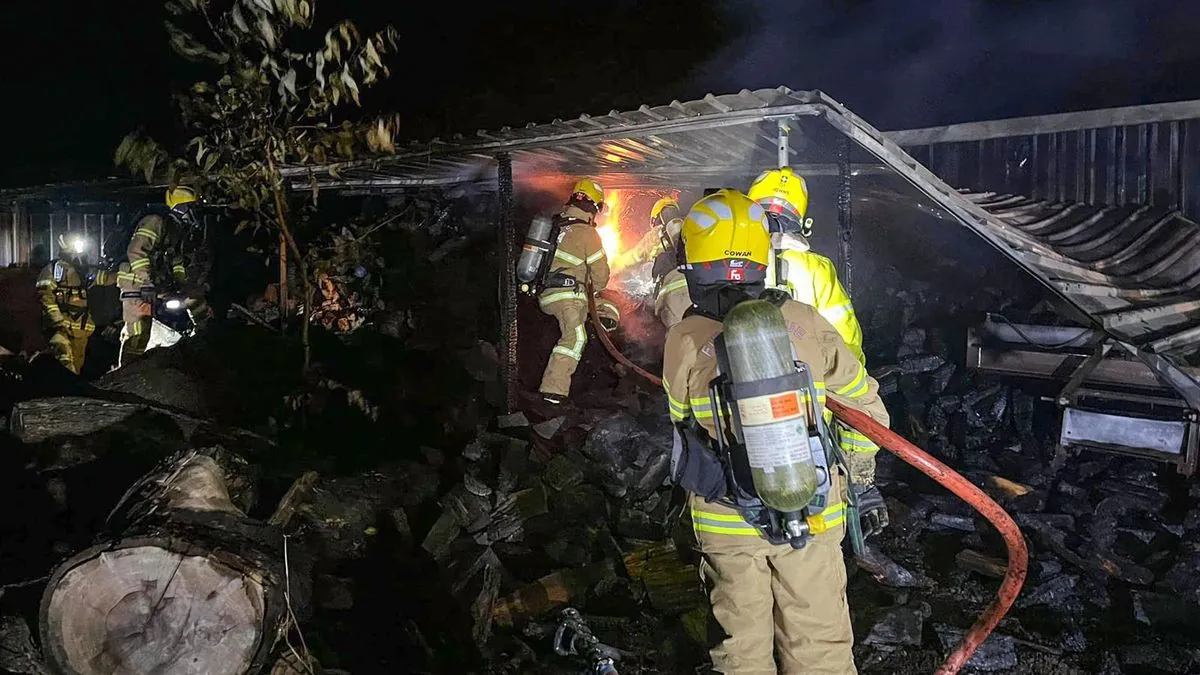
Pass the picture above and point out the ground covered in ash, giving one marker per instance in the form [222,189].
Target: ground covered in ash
[443,536]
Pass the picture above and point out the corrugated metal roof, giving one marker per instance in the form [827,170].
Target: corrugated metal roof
[1135,268]
[649,142]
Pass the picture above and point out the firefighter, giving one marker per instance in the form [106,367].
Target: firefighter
[772,601]
[807,276]
[579,260]
[62,287]
[670,288]
[660,244]
[155,258]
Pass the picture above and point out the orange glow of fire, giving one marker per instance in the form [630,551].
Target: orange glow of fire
[610,231]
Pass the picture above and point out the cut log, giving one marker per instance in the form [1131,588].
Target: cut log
[983,564]
[189,584]
[46,418]
[73,430]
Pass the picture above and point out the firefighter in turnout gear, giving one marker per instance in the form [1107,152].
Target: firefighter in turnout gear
[62,287]
[155,258]
[807,276]
[579,260]
[660,244]
[775,603]
[670,288]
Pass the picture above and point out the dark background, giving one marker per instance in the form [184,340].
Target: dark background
[80,74]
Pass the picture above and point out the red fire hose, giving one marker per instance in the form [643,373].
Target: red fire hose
[1018,554]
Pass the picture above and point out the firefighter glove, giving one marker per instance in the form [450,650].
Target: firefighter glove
[872,511]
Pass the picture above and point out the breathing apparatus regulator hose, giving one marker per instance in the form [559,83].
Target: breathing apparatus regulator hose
[1018,553]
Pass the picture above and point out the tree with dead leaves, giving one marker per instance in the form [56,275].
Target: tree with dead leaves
[267,106]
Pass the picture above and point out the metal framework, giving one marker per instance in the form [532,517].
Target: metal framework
[1106,263]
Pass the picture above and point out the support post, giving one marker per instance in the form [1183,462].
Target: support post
[845,218]
[283,281]
[508,281]
[18,222]
[784,158]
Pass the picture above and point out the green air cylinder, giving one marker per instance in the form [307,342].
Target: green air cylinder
[774,420]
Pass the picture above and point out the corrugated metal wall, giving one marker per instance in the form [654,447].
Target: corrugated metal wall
[1155,163]
[29,231]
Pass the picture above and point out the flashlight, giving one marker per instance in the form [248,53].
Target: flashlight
[78,244]
[174,304]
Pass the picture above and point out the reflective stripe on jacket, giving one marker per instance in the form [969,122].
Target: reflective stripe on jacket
[148,235]
[689,365]
[580,253]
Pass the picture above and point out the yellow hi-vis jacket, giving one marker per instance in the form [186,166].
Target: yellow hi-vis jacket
[690,364]
[811,278]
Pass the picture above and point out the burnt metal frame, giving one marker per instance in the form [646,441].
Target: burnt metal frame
[1047,124]
[508,282]
[1092,369]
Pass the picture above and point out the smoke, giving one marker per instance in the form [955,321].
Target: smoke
[905,64]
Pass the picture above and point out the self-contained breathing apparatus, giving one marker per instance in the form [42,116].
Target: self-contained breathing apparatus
[774,453]
[537,254]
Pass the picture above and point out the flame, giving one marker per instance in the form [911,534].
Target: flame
[610,231]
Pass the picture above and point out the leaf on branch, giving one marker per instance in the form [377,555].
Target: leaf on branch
[316,188]
[351,85]
[289,9]
[305,10]
[267,30]
[319,70]
[333,48]
[349,33]
[380,137]
[287,83]
[238,20]
[373,54]
[190,48]
[266,5]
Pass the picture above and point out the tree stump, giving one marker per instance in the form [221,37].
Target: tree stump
[186,583]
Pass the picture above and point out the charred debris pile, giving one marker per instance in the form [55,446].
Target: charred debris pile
[409,526]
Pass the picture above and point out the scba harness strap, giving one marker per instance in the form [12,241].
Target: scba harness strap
[721,474]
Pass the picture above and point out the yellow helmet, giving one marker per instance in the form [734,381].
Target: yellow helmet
[726,239]
[589,189]
[782,192]
[657,209]
[179,196]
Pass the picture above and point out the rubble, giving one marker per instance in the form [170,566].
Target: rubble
[998,652]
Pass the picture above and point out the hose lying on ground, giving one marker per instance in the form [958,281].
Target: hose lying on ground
[1018,554]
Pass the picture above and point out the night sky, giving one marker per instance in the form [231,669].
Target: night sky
[79,75]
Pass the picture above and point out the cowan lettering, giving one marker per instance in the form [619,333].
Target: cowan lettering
[737,254]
